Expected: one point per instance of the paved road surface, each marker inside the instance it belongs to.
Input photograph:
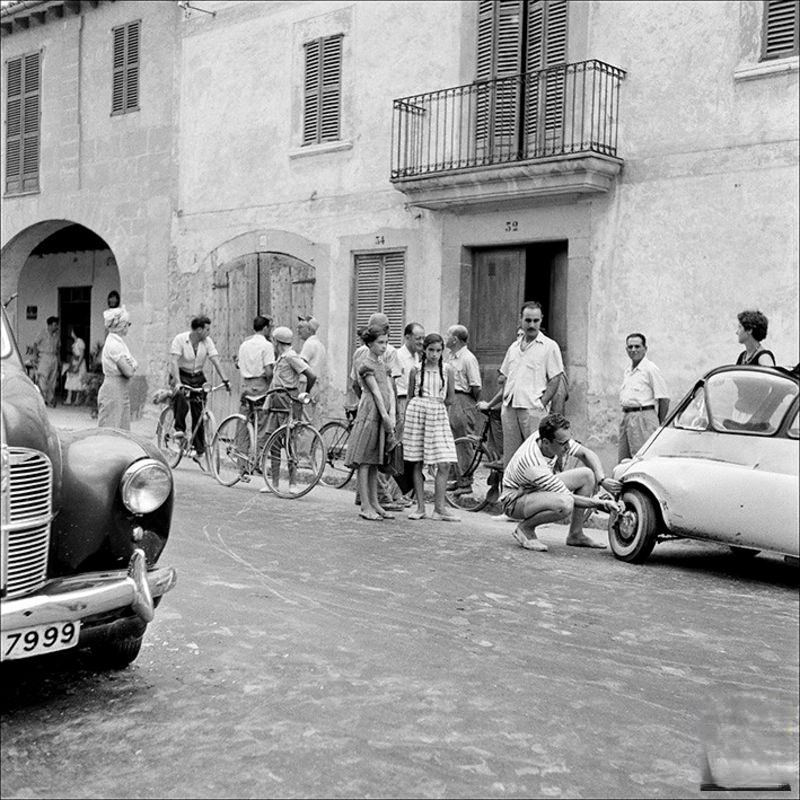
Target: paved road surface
(308, 653)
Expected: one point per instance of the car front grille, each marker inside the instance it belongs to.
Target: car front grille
(28, 488)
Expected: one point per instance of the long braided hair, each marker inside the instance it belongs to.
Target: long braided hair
(430, 339)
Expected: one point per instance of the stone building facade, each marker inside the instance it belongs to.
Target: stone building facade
(434, 185)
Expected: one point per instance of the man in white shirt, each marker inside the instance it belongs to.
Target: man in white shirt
(536, 495)
(643, 396)
(529, 377)
(188, 354)
(467, 377)
(256, 360)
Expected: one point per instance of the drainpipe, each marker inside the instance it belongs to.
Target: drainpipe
(80, 120)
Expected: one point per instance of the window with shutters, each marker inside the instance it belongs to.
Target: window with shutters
(23, 123)
(520, 104)
(380, 287)
(780, 32)
(125, 84)
(322, 98)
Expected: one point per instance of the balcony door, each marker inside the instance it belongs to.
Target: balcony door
(519, 109)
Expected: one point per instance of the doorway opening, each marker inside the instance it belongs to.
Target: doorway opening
(502, 279)
(74, 312)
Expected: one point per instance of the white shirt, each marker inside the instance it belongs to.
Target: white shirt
(466, 370)
(313, 351)
(528, 367)
(256, 353)
(188, 360)
(114, 351)
(407, 361)
(642, 385)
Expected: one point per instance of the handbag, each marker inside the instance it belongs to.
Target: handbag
(392, 456)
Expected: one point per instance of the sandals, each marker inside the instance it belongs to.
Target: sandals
(445, 517)
(417, 515)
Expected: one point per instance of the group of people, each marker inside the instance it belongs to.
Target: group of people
(420, 398)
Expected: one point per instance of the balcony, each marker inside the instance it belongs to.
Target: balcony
(539, 134)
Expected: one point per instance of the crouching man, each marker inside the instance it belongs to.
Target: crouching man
(534, 494)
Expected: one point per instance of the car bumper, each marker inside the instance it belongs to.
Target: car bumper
(92, 594)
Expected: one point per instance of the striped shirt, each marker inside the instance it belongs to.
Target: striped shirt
(531, 471)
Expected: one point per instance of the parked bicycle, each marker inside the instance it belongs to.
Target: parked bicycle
(291, 460)
(479, 454)
(176, 444)
(336, 435)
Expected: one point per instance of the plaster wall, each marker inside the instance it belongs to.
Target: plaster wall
(116, 175)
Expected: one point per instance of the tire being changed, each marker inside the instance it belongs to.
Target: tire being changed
(632, 535)
(232, 447)
(169, 446)
(293, 460)
(335, 436)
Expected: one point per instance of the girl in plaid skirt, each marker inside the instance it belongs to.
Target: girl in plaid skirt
(427, 438)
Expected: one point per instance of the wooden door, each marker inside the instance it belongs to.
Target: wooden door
(498, 284)
(286, 289)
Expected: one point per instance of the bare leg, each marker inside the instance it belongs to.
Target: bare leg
(539, 508)
(366, 473)
(581, 482)
(419, 491)
(440, 511)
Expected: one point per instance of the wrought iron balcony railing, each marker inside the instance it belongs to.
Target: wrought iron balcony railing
(568, 109)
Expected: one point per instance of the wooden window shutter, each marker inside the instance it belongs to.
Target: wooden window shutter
(23, 124)
(780, 33)
(380, 280)
(125, 81)
(14, 126)
(546, 47)
(499, 55)
(322, 90)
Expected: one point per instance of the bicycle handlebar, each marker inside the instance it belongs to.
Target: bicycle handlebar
(206, 388)
(302, 397)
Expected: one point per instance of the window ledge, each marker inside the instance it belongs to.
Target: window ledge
(315, 149)
(26, 193)
(749, 72)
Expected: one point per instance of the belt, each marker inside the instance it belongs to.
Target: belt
(402, 397)
(189, 372)
(636, 408)
(458, 391)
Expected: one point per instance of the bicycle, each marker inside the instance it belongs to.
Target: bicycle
(479, 450)
(173, 446)
(336, 434)
(294, 451)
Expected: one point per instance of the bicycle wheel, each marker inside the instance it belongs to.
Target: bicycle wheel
(335, 435)
(209, 429)
(472, 445)
(293, 460)
(170, 447)
(231, 449)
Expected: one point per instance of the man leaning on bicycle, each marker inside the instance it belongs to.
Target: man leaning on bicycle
(188, 354)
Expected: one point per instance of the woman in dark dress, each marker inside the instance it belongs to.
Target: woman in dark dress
(374, 424)
(751, 333)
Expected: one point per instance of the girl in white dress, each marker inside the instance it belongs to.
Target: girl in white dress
(427, 438)
(75, 369)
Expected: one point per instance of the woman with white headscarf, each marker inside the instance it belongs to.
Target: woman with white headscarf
(114, 399)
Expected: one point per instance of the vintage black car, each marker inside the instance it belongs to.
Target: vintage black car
(85, 517)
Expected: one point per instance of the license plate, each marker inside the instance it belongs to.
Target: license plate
(39, 639)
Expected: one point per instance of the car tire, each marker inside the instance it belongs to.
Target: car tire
(743, 552)
(632, 535)
(117, 653)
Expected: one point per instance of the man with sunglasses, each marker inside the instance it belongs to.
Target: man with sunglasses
(535, 494)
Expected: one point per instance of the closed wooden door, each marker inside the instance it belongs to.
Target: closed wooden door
(498, 285)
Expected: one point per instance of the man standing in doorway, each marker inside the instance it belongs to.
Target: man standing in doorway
(643, 396)
(467, 375)
(188, 354)
(256, 360)
(46, 358)
(313, 351)
(529, 377)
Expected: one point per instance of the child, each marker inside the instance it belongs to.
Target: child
(373, 431)
(427, 437)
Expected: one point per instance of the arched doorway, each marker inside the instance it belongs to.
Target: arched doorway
(58, 268)
(277, 285)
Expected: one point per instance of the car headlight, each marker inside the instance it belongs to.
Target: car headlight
(145, 486)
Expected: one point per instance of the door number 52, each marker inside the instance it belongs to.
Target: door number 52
(511, 225)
